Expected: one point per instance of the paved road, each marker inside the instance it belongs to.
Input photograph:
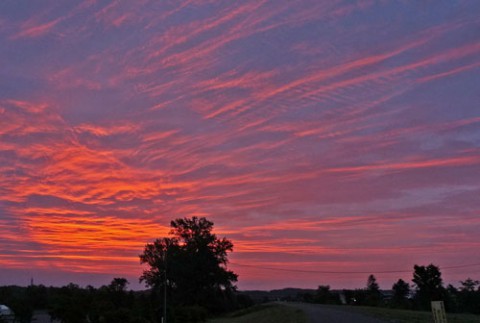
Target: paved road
(332, 314)
(42, 317)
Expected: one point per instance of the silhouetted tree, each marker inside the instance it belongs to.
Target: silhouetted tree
(323, 295)
(69, 304)
(374, 296)
(372, 285)
(451, 299)
(429, 285)
(118, 285)
(468, 285)
(401, 290)
(117, 292)
(469, 296)
(194, 261)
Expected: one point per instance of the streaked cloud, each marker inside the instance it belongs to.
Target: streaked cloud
(326, 135)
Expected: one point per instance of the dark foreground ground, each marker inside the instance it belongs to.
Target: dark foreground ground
(317, 313)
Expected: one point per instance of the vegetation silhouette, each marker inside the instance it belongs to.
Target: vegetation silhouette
(401, 293)
(374, 296)
(324, 295)
(429, 285)
(191, 265)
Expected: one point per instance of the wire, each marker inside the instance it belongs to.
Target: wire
(348, 272)
(319, 271)
(461, 266)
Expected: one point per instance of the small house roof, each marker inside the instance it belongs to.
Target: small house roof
(5, 310)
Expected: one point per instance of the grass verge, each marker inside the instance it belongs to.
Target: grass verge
(406, 316)
(266, 313)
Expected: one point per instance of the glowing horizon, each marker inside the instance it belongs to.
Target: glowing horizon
(328, 136)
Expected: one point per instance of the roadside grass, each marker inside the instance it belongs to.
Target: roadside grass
(266, 313)
(407, 316)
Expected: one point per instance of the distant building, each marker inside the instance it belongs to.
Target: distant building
(6, 314)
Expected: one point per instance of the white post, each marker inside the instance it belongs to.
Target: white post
(438, 311)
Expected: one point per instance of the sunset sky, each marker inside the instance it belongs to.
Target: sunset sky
(328, 139)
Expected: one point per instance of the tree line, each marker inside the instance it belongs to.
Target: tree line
(427, 286)
(71, 303)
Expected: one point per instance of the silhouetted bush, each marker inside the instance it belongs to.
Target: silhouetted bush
(323, 295)
(190, 314)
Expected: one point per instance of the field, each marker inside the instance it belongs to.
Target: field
(273, 313)
(406, 316)
(268, 313)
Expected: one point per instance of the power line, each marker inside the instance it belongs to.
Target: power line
(461, 266)
(319, 271)
(347, 272)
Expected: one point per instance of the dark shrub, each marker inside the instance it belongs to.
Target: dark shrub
(190, 314)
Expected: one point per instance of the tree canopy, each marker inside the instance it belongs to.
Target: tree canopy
(401, 291)
(374, 296)
(429, 284)
(194, 261)
(372, 285)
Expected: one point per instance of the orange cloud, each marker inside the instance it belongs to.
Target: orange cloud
(73, 240)
(92, 233)
(106, 130)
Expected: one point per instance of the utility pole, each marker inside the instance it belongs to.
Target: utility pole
(165, 289)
